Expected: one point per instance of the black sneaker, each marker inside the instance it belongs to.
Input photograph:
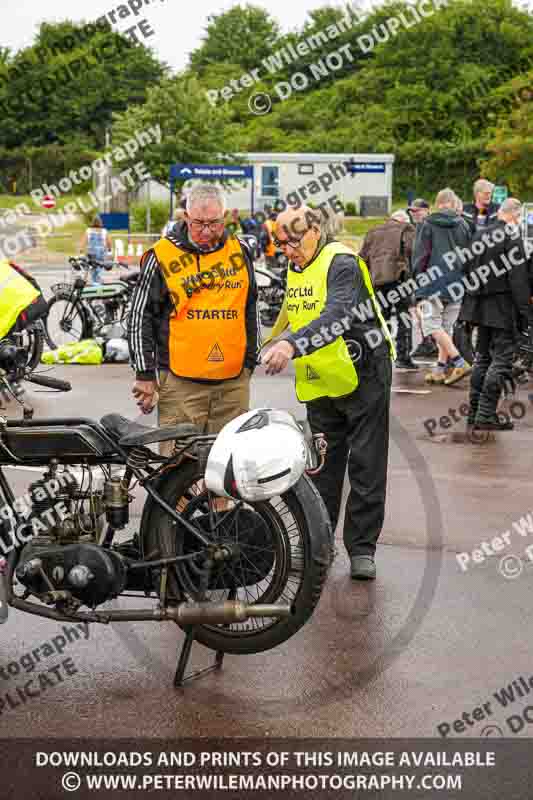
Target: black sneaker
(498, 422)
(406, 363)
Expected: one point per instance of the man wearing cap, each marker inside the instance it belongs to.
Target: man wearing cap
(343, 373)
(418, 210)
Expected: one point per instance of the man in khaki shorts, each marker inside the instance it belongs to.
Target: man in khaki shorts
(442, 233)
(193, 329)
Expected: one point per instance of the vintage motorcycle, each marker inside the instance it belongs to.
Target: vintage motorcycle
(81, 310)
(238, 577)
(271, 291)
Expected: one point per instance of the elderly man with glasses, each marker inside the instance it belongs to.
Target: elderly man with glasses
(333, 328)
(193, 326)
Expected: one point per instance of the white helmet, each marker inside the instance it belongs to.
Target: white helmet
(257, 455)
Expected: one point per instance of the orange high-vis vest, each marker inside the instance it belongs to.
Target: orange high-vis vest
(207, 329)
(270, 249)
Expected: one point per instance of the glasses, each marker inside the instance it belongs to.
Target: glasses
(208, 224)
(291, 242)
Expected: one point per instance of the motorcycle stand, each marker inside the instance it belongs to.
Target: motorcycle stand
(184, 657)
(186, 649)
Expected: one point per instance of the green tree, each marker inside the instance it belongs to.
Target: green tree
(511, 146)
(67, 85)
(191, 130)
(243, 35)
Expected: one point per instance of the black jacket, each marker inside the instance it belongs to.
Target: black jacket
(501, 300)
(347, 299)
(472, 216)
(441, 233)
(148, 328)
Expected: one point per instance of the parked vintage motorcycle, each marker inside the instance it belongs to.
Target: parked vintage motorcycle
(271, 291)
(79, 310)
(238, 575)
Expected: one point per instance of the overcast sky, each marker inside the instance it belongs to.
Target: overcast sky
(178, 24)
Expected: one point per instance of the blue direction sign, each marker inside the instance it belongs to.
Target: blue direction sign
(365, 166)
(185, 172)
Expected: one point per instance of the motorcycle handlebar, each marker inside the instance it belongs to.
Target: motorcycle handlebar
(50, 383)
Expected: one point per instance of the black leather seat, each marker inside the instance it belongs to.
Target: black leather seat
(132, 434)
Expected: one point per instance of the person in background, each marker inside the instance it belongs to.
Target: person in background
(442, 232)
(96, 243)
(482, 211)
(417, 211)
(270, 250)
(387, 250)
(177, 217)
(500, 307)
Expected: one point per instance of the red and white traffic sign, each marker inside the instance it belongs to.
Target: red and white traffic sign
(48, 201)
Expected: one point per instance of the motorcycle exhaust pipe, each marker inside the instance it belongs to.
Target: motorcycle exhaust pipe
(185, 613)
(224, 613)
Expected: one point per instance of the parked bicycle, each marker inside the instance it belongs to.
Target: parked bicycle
(80, 309)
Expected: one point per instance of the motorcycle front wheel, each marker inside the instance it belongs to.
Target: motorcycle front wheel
(282, 551)
(66, 321)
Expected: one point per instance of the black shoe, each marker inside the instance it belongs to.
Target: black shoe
(406, 363)
(495, 423)
(363, 568)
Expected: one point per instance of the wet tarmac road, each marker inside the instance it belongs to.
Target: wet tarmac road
(398, 657)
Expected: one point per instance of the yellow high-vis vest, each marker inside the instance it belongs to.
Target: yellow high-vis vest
(16, 294)
(207, 330)
(328, 371)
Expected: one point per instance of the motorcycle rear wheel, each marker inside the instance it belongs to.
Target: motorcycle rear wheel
(295, 549)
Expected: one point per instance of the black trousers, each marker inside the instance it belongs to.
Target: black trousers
(404, 340)
(493, 366)
(357, 432)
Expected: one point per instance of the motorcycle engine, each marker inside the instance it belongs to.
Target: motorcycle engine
(62, 564)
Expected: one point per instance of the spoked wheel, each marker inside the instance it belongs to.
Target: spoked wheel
(279, 552)
(66, 321)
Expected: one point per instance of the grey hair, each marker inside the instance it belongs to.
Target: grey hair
(400, 216)
(202, 193)
(482, 185)
(511, 206)
(446, 197)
